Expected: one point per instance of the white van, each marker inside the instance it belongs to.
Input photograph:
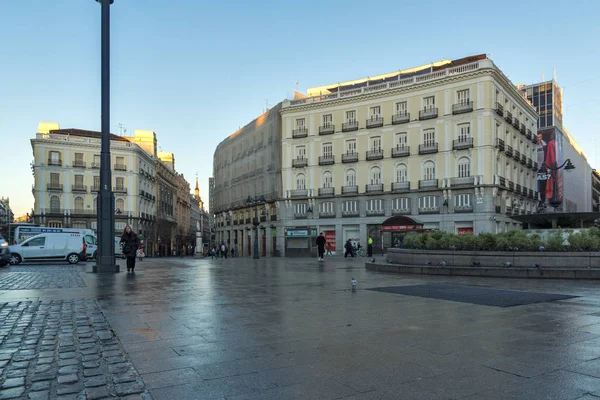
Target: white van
(23, 233)
(69, 247)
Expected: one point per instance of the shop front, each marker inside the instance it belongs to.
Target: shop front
(299, 241)
(394, 229)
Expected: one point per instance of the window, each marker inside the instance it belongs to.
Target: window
(463, 201)
(300, 152)
(464, 132)
(54, 157)
(401, 140)
(327, 180)
(375, 112)
(327, 208)
(300, 182)
(463, 97)
(82, 225)
(97, 160)
(401, 173)
(351, 177)
(54, 204)
(350, 206)
(375, 143)
(119, 206)
(402, 108)
(464, 167)
(375, 205)
(95, 205)
(78, 204)
(37, 242)
(351, 146)
(96, 182)
(327, 120)
(375, 176)
(120, 183)
(301, 124)
(429, 103)
(327, 150)
(401, 203)
(79, 158)
(120, 161)
(428, 202)
(54, 179)
(351, 116)
(497, 130)
(429, 137)
(78, 181)
(429, 171)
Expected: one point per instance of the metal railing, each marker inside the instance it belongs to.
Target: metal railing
(462, 143)
(299, 193)
(299, 162)
(327, 160)
(350, 126)
(399, 186)
(299, 133)
(326, 191)
(400, 118)
(499, 109)
(119, 189)
(428, 183)
(428, 114)
(54, 186)
(120, 167)
(500, 144)
(326, 129)
(375, 154)
(350, 189)
(463, 107)
(401, 151)
(462, 181)
(349, 157)
(79, 188)
(79, 164)
(508, 151)
(428, 148)
(374, 122)
(374, 188)
(57, 162)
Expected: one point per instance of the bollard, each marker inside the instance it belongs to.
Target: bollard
(353, 283)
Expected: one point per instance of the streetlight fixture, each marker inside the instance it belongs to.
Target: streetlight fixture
(255, 201)
(556, 201)
(105, 261)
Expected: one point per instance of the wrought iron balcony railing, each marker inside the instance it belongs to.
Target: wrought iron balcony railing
(326, 129)
(463, 107)
(326, 160)
(349, 157)
(326, 191)
(428, 113)
(350, 189)
(428, 183)
(400, 186)
(428, 148)
(350, 126)
(299, 162)
(375, 154)
(374, 188)
(400, 118)
(300, 133)
(401, 151)
(374, 122)
(462, 143)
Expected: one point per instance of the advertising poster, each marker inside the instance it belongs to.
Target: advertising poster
(549, 153)
(330, 239)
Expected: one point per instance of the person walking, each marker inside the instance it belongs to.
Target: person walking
(223, 251)
(370, 246)
(349, 249)
(321, 246)
(329, 253)
(130, 243)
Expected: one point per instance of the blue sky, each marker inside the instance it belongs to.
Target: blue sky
(195, 71)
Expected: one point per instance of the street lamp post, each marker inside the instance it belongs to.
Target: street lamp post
(556, 201)
(105, 261)
(255, 201)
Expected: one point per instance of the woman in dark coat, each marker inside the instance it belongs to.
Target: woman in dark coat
(130, 243)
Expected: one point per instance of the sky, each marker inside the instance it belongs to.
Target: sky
(195, 71)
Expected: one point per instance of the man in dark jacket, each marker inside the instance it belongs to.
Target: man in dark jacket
(349, 249)
(130, 243)
(321, 246)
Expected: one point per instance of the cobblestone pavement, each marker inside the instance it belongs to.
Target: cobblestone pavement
(40, 277)
(62, 350)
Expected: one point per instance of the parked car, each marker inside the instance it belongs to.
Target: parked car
(4, 253)
(69, 247)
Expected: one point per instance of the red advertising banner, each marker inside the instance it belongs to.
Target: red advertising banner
(400, 227)
(464, 231)
(330, 239)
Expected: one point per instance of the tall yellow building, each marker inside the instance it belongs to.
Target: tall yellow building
(448, 146)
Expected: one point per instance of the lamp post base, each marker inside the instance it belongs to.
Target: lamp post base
(106, 268)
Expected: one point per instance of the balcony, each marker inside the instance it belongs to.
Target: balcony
(428, 114)
(429, 210)
(235, 222)
(350, 126)
(462, 108)
(535, 166)
(328, 129)
(376, 154)
(502, 181)
(300, 133)
(120, 189)
(400, 118)
(517, 155)
(326, 160)
(428, 148)
(374, 122)
(373, 213)
(79, 164)
(462, 181)
(500, 144)
(529, 163)
(524, 191)
(462, 143)
(401, 151)
(523, 130)
(509, 211)
(508, 117)
(95, 188)
(400, 211)
(400, 186)
(273, 217)
(530, 194)
(523, 159)
(120, 167)
(350, 189)
(54, 211)
(248, 220)
(534, 139)
(326, 192)
(350, 213)
(467, 208)
(518, 188)
(326, 214)
(54, 161)
(516, 123)
(509, 151)
(349, 157)
(428, 184)
(499, 109)
(374, 188)
(511, 186)
(300, 215)
(95, 165)
(79, 188)
(299, 162)
(298, 193)
(55, 187)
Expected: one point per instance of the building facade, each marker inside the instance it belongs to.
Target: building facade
(595, 191)
(448, 146)
(166, 195)
(66, 170)
(248, 165)
(6, 216)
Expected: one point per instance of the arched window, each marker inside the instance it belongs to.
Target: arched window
(429, 171)
(351, 177)
(79, 204)
(55, 204)
(327, 179)
(464, 167)
(119, 206)
(300, 182)
(375, 176)
(401, 173)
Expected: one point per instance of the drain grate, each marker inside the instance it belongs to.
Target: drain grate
(473, 295)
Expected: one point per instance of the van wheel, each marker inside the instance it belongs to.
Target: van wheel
(15, 259)
(73, 258)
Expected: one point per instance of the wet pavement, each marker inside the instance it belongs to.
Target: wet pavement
(288, 329)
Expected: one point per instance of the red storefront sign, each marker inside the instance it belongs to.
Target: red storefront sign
(330, 239)
(387, 228)
(464, 231)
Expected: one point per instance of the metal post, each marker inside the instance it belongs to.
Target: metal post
(105, 261)
(256, 223)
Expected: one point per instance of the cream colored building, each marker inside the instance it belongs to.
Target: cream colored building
(446, 146)
(66, 170)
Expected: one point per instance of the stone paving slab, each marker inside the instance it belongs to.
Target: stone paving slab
(41, 277)
(63, 350)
